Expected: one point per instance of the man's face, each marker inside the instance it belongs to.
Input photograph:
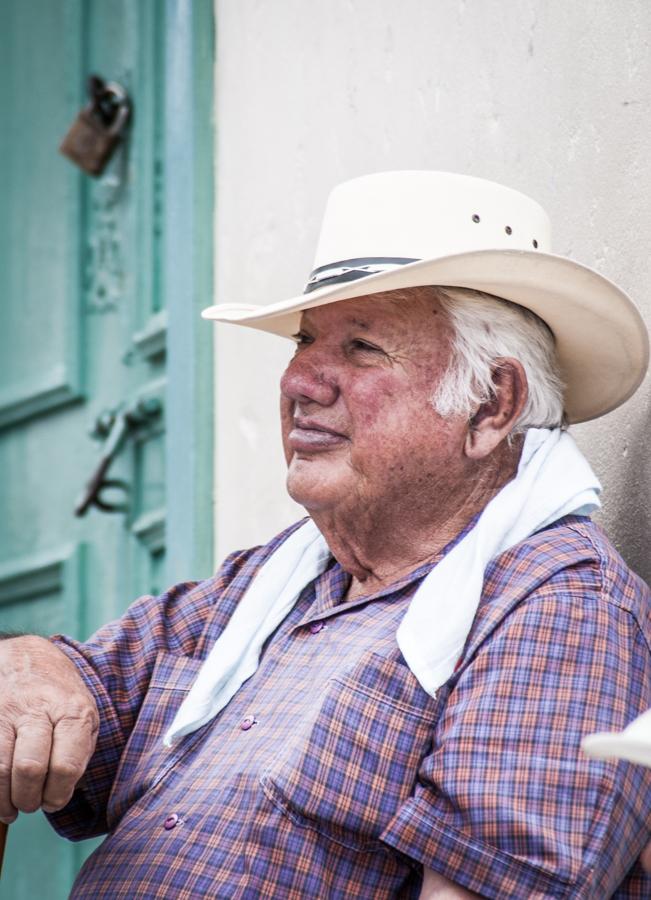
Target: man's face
(359, 431)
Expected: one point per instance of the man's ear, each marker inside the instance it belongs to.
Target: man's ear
(496, 418)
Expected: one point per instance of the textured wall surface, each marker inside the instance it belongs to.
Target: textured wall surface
(548, 97)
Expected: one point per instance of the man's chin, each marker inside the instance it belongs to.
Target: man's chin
(310, 487)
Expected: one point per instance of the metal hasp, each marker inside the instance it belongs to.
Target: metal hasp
(99, 127)
(116, 427)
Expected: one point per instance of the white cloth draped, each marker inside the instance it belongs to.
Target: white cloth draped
(552, 481)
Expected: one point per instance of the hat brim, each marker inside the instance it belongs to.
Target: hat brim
(601, 338)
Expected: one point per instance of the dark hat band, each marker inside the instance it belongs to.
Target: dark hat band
(352, 270)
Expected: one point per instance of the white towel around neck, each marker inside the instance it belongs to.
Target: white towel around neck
(553, 480)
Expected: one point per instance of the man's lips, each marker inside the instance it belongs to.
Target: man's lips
(308, 435)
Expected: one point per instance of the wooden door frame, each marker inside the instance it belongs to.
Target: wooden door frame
(188, 285)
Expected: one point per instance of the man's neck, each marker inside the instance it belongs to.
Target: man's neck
(383, 544)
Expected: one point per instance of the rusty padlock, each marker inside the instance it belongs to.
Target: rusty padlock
(99, 127)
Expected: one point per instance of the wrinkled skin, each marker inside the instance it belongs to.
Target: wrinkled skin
(385, 477)
(48, 727)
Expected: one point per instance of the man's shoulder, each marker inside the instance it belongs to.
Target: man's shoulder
(210, 603)
(571, 557)
(566, 572)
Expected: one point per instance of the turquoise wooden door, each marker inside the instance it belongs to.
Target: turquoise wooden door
(101, 281)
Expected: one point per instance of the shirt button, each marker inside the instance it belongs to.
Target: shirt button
(315, 627)
(170, 822)
(247, 722)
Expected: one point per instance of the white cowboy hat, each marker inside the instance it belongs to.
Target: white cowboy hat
(396, 230)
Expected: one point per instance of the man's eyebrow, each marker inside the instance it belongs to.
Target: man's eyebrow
(355, 322)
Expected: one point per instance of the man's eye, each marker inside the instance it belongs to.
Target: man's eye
(301, 339)
(358, 344)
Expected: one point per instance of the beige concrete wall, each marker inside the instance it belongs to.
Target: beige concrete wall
(552, 98)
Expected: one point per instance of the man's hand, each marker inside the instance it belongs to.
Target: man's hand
(438, 887)
(48, 727)
(645, 858)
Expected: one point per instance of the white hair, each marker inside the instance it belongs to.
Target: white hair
(487, 329)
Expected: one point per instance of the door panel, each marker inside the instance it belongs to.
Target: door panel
(42, 587)
(83, 332)
(39, 337)
(82, 324)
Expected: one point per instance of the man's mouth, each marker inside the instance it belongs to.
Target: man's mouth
(308, 435)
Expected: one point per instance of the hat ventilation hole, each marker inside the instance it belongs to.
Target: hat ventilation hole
(535, 244)
(476, 218)
(508, 229)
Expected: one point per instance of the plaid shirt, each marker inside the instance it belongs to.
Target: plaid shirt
(332, 774)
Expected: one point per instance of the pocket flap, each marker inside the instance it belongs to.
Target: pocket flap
(174, 673)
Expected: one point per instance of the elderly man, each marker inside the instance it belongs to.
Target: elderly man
(388, 699)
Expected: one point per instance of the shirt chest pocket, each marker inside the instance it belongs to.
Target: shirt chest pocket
(356, 759)
(145, 761)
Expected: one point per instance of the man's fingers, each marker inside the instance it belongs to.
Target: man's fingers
(44, 764)
(30, 763)
(42, 692)
(73, 742)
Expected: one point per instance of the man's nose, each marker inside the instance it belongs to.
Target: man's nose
(309, 378)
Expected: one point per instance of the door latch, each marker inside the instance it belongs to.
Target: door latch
(116, 427)
(99, 127)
